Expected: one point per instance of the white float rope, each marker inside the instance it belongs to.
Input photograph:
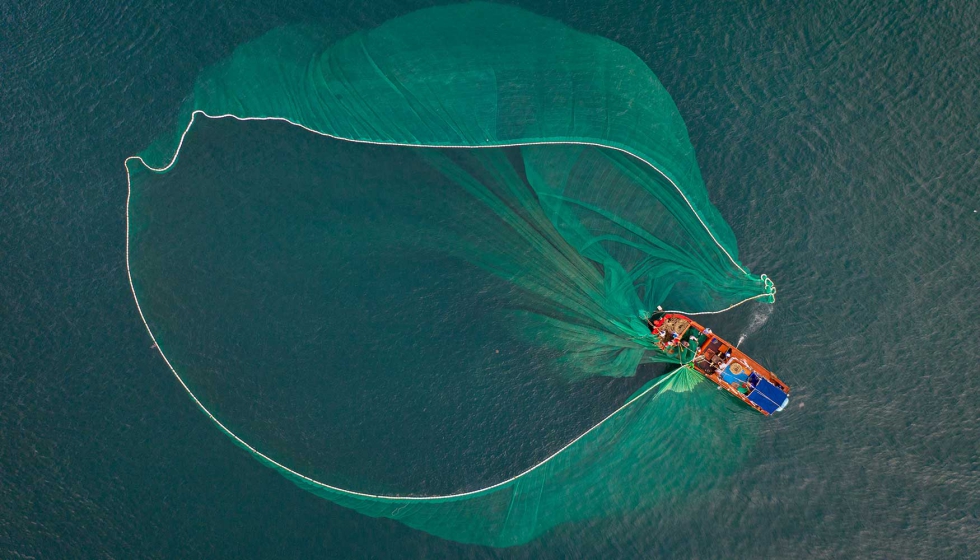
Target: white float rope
(443, 146)
(770, 292)
(243, 443)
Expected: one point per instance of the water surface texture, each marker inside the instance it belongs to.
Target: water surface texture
(839, 141)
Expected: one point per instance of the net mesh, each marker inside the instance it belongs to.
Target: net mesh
(584, 203)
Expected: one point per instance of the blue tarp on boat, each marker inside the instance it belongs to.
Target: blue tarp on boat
(728, 377)
(767, 396)
(763, 402)
(773, 393)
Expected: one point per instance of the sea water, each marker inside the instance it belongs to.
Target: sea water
(839, 141)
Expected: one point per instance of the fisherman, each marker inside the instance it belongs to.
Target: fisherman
(726, 362)
(706, 332)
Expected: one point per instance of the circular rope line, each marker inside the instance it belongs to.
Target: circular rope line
(129, 190)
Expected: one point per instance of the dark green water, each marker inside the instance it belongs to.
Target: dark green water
(840, 143)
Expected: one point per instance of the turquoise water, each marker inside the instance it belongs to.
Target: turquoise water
(839, 142)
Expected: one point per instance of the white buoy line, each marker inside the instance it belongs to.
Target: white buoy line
(767, 282)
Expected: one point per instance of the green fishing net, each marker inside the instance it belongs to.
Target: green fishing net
(408, 279)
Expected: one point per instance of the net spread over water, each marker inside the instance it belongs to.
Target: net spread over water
(302, 304)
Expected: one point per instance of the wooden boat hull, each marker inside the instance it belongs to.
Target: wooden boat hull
(722, 363)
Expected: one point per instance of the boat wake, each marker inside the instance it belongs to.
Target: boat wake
(760, 315)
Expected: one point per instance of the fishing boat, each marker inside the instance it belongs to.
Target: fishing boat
(721, 362)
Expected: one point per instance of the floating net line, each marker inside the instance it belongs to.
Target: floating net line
(769, 286)
(369, 99)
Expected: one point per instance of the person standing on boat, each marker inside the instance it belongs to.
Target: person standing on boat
(727, 361)
(658, 332)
